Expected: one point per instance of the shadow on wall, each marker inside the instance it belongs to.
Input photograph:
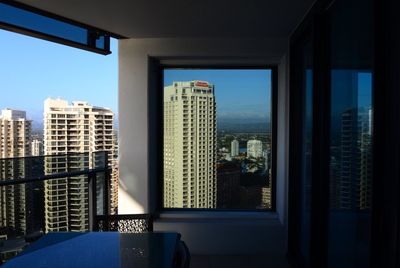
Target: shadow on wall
(126, 203)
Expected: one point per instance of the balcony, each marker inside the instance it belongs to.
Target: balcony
(58, 199)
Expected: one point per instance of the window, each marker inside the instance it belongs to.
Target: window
(230, 135)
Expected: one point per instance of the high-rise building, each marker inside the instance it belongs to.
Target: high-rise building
(115, 176)
(190, 151)
(15, 131)
(37, 147)
(228, 184)
(234, 148)
(69, 129)
(15, 134)
(254, 148)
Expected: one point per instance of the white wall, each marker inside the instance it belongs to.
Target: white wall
(229, 236)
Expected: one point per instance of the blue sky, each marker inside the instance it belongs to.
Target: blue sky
(364, 89)
(239, 94)
(32, 70)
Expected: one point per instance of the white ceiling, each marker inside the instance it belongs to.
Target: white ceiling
(183, 18)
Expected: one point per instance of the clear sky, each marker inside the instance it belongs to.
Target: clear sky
(239, 94)
(33, 69)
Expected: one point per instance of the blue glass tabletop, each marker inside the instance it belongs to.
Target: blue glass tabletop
(99, 249)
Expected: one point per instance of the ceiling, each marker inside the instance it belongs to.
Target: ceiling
(183, 18)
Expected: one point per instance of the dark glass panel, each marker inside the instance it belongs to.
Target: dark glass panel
(350, 134)
(305, 206)
(13, 16)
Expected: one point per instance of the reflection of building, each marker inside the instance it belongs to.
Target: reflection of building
(75, 128)
(37, 147)
(352, 171)
(234, 148)
(15, 131)
(190, 145)
(254, 148)
(365, 128)
(228, 183)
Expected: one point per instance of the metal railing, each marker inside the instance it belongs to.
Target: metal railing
(43, 194)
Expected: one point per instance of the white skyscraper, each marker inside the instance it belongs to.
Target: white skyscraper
(37, 147)
(254, 148)
(234, 148)
(15, 131)
(76, 128)
(190, 145)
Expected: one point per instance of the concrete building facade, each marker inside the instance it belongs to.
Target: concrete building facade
(254, 148)
(15, 131)
(78, 130)
(234, 148)
(190, 145)
(37, 147)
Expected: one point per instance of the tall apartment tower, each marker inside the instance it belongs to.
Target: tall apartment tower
(15, 132)
(37, 147)
(234, 148)
(254, 148)
(69, 129)
(190, 145)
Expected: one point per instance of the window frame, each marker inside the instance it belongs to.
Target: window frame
(156, 145)
(92, 32)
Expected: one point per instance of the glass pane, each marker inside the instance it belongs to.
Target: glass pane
(31, 21)
(351, 133)
(217, 139)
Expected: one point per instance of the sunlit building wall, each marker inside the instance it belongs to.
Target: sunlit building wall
(68, 129)
(190, 145)
(234, 148)
(37, 147)
(15, 131)
(254, 148)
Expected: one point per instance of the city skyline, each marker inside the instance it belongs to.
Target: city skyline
(199, 169)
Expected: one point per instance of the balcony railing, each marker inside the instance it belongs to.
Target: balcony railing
(37, 196)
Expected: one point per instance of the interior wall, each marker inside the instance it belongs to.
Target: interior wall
(242, 235)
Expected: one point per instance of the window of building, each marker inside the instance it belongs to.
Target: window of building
(231, 135)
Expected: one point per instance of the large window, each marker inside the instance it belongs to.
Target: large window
(217, 139)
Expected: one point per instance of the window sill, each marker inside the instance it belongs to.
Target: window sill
(166, 216)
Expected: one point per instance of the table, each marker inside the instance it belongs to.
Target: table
(99, 249)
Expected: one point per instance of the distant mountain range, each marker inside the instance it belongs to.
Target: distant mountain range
(243, 124)
(239, 124)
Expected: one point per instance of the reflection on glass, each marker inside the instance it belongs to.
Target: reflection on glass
(217, 139)
(351, 133)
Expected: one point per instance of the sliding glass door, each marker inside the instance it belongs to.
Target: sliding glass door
(331, 128)
(351, 131)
